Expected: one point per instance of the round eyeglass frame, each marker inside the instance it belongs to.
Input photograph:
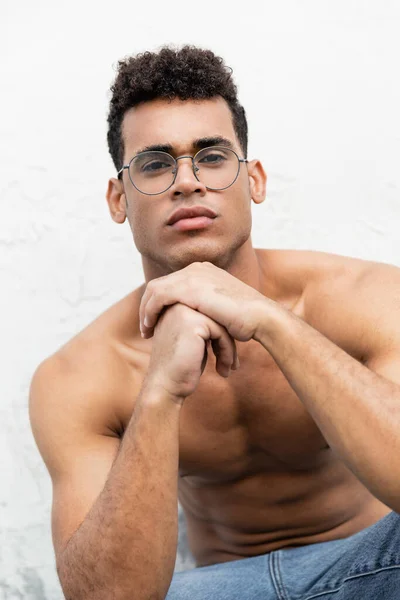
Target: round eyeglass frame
(240, 160)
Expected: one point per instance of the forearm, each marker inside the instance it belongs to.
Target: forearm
(126, 546)
(357, 410)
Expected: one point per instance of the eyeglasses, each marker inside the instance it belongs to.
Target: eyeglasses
(153, 172)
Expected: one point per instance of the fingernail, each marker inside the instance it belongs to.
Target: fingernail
(146, 322)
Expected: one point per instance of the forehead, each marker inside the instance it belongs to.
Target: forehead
(176, 122)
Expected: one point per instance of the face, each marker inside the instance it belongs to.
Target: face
(184, 128)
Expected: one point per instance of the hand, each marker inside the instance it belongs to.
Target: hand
(209, 290)
(179, 352)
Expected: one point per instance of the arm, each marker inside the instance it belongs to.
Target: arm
(115, 505)
(355, 405)
(114, 515)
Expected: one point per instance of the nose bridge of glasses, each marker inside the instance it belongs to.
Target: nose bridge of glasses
(191, 164)
(185, 156)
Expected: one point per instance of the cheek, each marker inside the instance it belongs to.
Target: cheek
(147, 221)
(141, 222)
(241, 201)
(140, 214)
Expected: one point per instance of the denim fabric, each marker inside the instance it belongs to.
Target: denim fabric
(364, 566)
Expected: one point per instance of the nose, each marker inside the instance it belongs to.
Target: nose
(185, 182)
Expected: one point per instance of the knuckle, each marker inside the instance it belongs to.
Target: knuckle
(157, 290)
(150, 286)
(195, 266)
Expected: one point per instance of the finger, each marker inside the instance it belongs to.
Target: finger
(143, 302)
(152, 288)
(224, 348)
(205, 358)
(150, 310)
(160, 295)
(236, 363)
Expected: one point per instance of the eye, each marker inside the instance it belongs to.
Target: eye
(155, 165)
(213, 158)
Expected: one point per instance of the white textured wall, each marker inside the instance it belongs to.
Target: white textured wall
(320, 82)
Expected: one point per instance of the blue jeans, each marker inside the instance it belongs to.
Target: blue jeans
(364, 566)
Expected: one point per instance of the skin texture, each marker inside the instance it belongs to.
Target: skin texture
(163, 251)
(292, 447)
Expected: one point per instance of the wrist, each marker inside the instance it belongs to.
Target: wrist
(155, 392)
(270, 321)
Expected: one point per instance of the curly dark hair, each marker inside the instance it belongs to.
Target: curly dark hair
(189, 73)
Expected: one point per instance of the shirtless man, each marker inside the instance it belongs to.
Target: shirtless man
(286, 465)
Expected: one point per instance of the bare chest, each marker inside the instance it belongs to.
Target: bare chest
(248, 423)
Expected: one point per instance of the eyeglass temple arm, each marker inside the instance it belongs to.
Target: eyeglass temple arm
(120, 171)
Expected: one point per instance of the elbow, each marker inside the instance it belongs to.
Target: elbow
(67, 582)
(75, 588)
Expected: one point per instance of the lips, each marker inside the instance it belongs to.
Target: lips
(190, 213)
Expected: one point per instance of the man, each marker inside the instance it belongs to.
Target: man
(261, 387)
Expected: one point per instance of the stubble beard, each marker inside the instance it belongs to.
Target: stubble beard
(215, 253)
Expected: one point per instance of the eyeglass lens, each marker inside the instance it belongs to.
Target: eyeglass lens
(154, 172)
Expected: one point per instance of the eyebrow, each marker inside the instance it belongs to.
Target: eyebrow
(197, 144)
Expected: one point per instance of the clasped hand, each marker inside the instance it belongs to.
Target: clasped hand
(210, 290)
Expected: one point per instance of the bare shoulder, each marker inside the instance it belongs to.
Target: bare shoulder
(95, 369)
(354, 302)
(308, 264)
(78, 400)
(298, 270)
(322, 274)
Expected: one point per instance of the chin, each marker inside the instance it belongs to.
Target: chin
(220, 257)
(220, 252)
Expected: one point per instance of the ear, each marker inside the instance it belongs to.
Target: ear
(257, 181)
(116, 200)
